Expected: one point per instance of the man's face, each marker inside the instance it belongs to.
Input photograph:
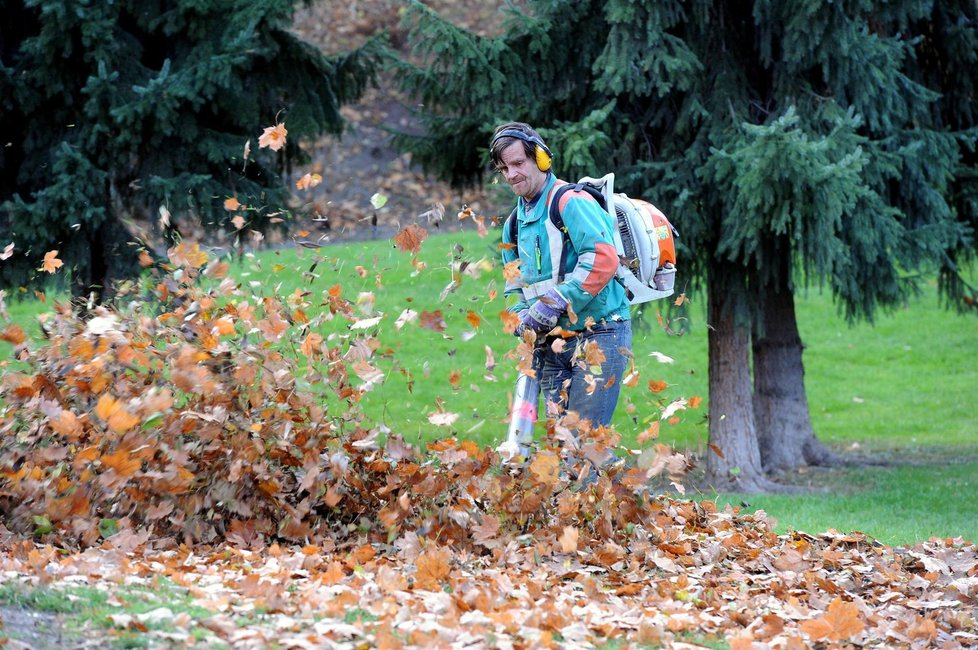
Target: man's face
(521, 172)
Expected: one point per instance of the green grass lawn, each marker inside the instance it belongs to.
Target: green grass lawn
(904, 387)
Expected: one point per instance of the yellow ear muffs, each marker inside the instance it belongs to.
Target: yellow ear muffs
(543, 159)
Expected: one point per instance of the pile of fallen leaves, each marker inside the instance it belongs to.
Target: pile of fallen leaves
(188, 434)
(198, 413)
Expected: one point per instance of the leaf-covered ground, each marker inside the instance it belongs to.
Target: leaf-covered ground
(692, 576)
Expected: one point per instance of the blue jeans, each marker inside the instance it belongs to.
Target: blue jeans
(562, 374)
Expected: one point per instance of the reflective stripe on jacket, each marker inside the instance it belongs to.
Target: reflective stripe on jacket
(590, 260)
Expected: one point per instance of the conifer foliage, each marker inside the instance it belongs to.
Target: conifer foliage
(120, 110)
(792, 143)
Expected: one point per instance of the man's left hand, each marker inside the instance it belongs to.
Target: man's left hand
(543, 314)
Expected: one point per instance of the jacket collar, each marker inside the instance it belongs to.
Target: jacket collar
(539, 205)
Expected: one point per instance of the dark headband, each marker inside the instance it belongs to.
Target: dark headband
(519, 135)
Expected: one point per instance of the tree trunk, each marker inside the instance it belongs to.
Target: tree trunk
(111, 259)
(734, 459)
(784, 426)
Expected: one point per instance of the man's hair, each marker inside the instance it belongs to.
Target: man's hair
(499, 143)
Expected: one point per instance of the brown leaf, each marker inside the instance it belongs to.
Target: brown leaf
(545, 467)
(410, 238)
(433, 566)
(433, 320)
(839, 623)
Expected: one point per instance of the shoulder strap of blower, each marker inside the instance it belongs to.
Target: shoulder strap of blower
(557, 220)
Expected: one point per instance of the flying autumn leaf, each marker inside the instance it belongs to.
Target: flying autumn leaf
(273, 137)
(433, 320)
(378, 200)
(308, 181)
(511, 271)
(410, 238)
(115, 415)
(51, 262)
(310, 346)
(657, 385)
(442, 419)
(510, 321)
(7, 252)
(231, 204)
(14, 334)
(545, 467)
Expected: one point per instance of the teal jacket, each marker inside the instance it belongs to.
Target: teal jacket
(590, 259)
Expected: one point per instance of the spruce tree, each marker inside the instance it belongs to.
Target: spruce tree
(794, 143)
(121, 111)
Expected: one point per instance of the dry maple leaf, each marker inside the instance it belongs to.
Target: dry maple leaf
(51, 262)
(840, 622)
(410, 238)
(310, 346)
(433, 566)
(511, 271)
(510, 321)
(7, 252)
(568, 539)
(545, 467)
(122, 462)
(116, 417)
(273, 137)
(231, 204)
(14, 334)
(657, 385)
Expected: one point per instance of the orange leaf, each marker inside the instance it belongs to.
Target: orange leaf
(511, 271)
(433, 565)
(410, 238)
(273, 137)
(568, 540)
(657, 385)
(15, 334)
(51, 262)
(473, 318)
(116, 417)
(122, 462)
(67, 425)
(695, 401)
(308, 181)
(510, 321)
(649, 434)
(311, 345)
(545, 467)
(231, 204)
(840, 622)
(455, 378)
